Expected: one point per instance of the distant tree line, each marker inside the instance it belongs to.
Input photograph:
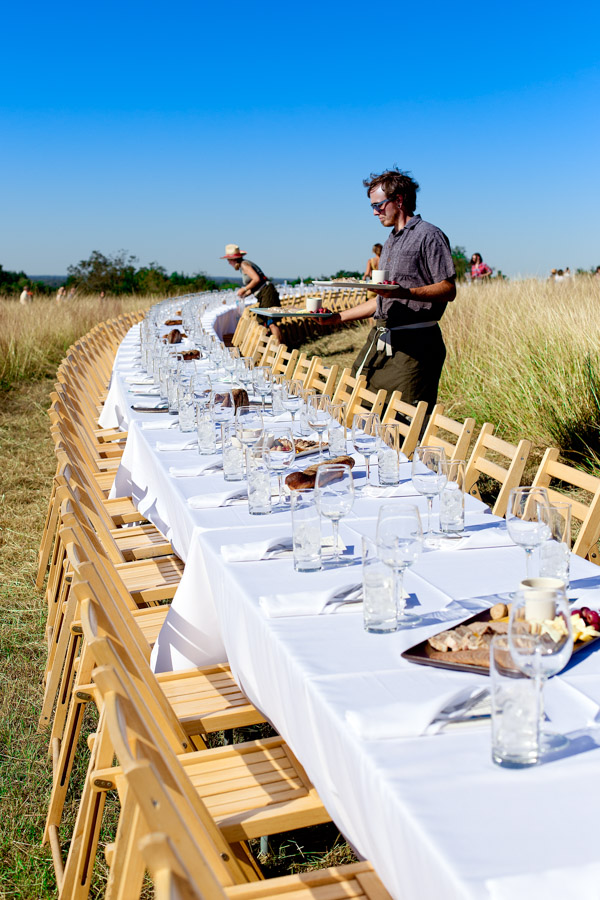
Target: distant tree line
(14, 282)
(120, 274)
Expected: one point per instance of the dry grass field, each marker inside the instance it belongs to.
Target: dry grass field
(525, 356)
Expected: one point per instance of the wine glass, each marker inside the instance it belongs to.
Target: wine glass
(540, 639)
(400, 543)
(429, 476)
(527, 520)
(291, 398)
(334, 497)
(336, 430)
(261, 377)
(317, 416)
(364, 435)
(244, 371)
(248, 425)
(279, 451)
(223, 407)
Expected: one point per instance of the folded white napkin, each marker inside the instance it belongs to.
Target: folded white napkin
(222, 498)
(208, 468)
(144, 390)
(161, 424)
(183, 444)
(424, 708)
(255, 550)
(139, 379)
(404, 489)
(307, 603)
(479, 539)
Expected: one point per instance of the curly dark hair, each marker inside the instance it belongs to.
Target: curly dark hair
(395, 183)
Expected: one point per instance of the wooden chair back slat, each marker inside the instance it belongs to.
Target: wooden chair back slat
(462, 431)
(409, 418)
(509, 477)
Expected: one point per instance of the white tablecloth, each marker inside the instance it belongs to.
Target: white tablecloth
(433, 813)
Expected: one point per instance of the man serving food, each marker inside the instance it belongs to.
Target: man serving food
(405, 349)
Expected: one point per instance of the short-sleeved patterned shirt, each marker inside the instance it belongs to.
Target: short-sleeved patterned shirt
(417, 255)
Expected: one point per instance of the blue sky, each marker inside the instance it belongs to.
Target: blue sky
(170, 130)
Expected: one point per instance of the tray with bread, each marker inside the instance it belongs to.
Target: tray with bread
(465, 647)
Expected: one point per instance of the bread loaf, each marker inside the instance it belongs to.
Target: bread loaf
(173, 322)
(304, 481)
(174, 337)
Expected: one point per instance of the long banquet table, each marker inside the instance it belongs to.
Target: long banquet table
(433, 813)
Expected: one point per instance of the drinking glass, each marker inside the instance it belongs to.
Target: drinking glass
(515, 700)
(555, 553)
(306, 532)
(205, 429)
(305, 394)
(259, 481)
(279, 451)
(429, 476)
(379, 600)
(400, 543)
(452, 500)
(222, 405)
(540, 638)
(233, 453)
(336, 430)
(389, 441)
(334, 497)
(244, 372)
(187, 408)
(249, 425)
(291, 398)
(261, 377)
(364, 435)
(526, 523)
(317, 416)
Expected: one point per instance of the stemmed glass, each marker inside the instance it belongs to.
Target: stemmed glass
(248, 425)
(527, 520)
(540, 639)
(334, 497)
(261, 376)
(317, 416)
(429, 476)
(291, 398)
(399, 543)
(364, 435)
(279, 452)
(244, 371)
(223, 407)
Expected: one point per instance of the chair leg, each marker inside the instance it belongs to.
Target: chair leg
(127, 869)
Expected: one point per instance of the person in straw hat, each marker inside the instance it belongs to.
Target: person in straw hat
(254, 281)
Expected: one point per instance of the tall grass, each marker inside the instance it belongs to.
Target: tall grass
(34, 338)
(526, 357)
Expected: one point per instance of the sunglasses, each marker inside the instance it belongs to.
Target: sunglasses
(377, 207)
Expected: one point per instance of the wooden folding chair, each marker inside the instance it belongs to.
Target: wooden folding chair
(164, 801)
(197, 701)
(252, 789)
(364, 400)
(409, 418)
(253, 335)
(285, 362)
(440, 425)
(265, 344)
(508, 476)
(321, 378)
(346, 386)
(304, 367)
(575, 481)
(241, 329)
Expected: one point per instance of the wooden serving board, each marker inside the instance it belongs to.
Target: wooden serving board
(424, 655)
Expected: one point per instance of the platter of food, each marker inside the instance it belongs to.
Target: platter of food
(465, 647)
(367, 285)
(306, 447)
(280, 312)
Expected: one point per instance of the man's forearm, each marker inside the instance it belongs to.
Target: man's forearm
(441, 291)
(362, 311)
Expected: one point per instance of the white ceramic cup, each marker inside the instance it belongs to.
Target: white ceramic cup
(378, 276)
(313, 303)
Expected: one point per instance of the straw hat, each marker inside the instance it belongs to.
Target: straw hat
(232, 251)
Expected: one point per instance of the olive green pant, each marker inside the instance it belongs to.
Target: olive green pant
(267, 296)
(414, 367)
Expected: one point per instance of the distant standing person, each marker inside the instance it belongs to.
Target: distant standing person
(60, 294)
(480, 271)
(405, 349)
(254, 281)
(373, 262)
(26, 297)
